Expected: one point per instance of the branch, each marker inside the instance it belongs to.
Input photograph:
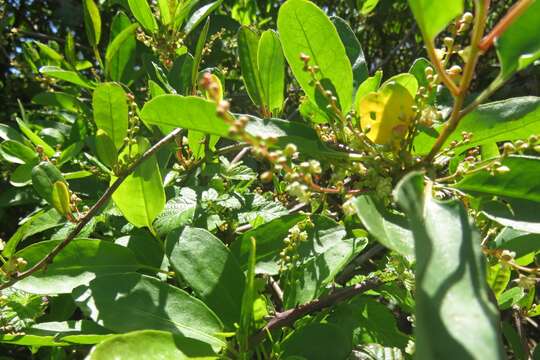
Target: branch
(514, 13)
(351, 270)
(42, 264)
(288, 317)
(468, 73)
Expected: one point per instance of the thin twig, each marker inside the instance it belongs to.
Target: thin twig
(277, 292)
(514, 13)
(288, 317)
(351, 270)
(522, 333)
(468, 73)
(43, 263)
(240, 155)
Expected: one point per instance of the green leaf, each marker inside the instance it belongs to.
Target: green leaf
(35, 139)
(323, 235)
(148, 250)
(305, 29)
(271, 69)
(317, 341)
(142, 12)
(119, 57)
(418, 69)
(199, 15)
(368, 6)
(44, 175)
(505, 120)
(92, 22)
(59, 99)
(520, 182)
(451, 290)
(188, 112)
(61, 199)
(66, 75)
(309, 279)
(78, 263)
(151, 345)
(433, 16)
(518, 214)
(17, 153)
(498, 278)
(178, 211)
(49, 52)
(141, 196)
(248, 300)
(511, 297)
(369, 322)
(197, 56)
(408, 81)
(369, 85)
(31, 225)
(248, 42)
(353, 49)
(520, 242)
(180, 74)
(518, 46)
(195, 113)
(65, 333)
(129, 302)
(380, 352)
(165, 11)
(389, 229)
(106, 151)
(207, 265)
(111, 111)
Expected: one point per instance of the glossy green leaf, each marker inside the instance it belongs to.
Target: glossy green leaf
(142, 12)
(520, 242)
(271, 69)
(518, 214)
(111, 111)
(129, 302)
(506, 120)
(498, 277)
(305, 29)
(317, 341)
(520, 182)
(66, 75)
(325, 234)
(141, 197)
(44, 175)
(418, 69)
(148, 250)
(248, 310)
(106, 151)
(78, 263)
(165, 10)
(389, 229)
(49, 52)
(510, 297)
(64, 333)
(197, 56)
(92, 22)
(308, 280)
(59, 99)
(180, 74)
(433, 16)
(368, 6)
(353, 49)
(451, 290)
(369, 85)
(188, 112)
(119, 57)
(17, 153)
(369, 322)
(408, 81)
(199, 15)
(33, 224)
(22, 175)
(248, 42)
(35, 139)
(194, 113)
(151, 345)
(518, 46)
(206, 264)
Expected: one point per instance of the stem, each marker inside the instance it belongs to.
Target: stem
(288, 317)
(514, 13)
(42, 264)
(494, 86)
(468, 73)
(448, 82)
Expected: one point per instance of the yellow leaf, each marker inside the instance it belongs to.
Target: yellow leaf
(386, 113)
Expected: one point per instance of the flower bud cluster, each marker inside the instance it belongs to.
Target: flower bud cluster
(289, 257)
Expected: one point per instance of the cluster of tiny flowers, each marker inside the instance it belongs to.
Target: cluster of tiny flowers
(288, 257)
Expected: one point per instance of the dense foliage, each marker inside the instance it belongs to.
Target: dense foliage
(269, 179)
